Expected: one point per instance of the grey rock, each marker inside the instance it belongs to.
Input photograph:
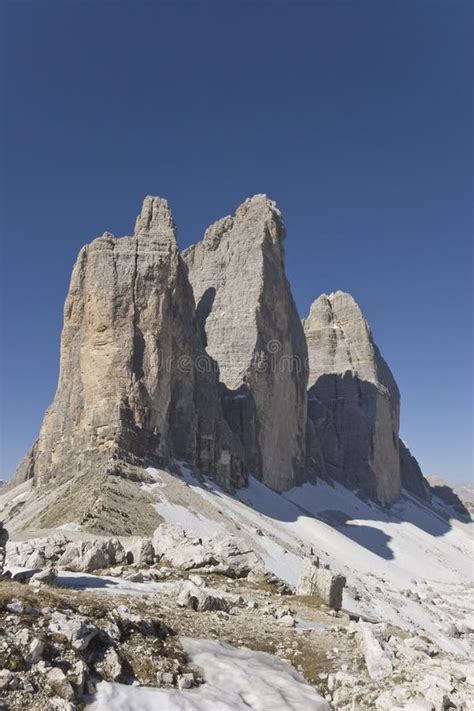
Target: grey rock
(250, 326)
(35, 651)
(59, 683)
(129, 389)
(225, 555)
(5, 678)
(110, 666)
(315, 580)
(44, 577)
(377, 659)
(199, 599)
(78, 630)
(411, 475)
(140, 552)
(90, 555)
(353, 401)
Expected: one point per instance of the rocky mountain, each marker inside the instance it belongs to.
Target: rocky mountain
(354, 405)
(128, 387)
(202, 358)
(193, 527)
(251, 327)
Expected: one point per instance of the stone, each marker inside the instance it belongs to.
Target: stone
(377, 660)
(90, 555)
(227, 554)
(5, 678)
(250, 326)
(199, 599)
(78, 630)
(140, 552)
(353, 404)
(135, 383)
(59, 683)
(44, 577)
(186, 680)
(35, 651)
(110, 666)
(171, 543)
(58, 704)
(36, 552)
(316, 580)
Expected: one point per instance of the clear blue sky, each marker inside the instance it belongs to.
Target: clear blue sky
(355, 117)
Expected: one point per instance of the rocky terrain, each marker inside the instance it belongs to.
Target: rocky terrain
(203, 358)
(218, 512)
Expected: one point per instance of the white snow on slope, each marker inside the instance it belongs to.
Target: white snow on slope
(104, 583)
(190, 521)
(407, 565)
(236, 680)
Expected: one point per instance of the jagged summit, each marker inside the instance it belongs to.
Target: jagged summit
(202, 358)
(129, 321)
(155, 220)
(341, 340)
(250, 325)
(354, 405)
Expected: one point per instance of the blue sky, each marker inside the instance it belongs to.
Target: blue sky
(355, 117)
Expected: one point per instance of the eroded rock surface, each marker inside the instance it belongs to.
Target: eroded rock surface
(353, 401)
(128, 386)
(354, 406)
(252, 329)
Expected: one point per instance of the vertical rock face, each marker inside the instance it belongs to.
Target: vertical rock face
(128, 383)
(353, 401)
(412, 476)
(251, 327)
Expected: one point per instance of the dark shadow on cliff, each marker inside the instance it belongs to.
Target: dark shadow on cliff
(203, 309)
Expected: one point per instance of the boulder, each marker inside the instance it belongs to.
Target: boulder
(200, 599)
(36, 552)
(377, 657)
(140, 552)
(90, 555)
(110, 666)
(316, 580)
(59, 683)
(44, 577)
(77, 629)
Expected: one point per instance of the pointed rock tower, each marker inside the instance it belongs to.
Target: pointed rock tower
(251, 327)
(129, 389)
(353, 401)
(354, 406)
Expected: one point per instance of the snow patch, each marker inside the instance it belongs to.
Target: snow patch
(235, 680)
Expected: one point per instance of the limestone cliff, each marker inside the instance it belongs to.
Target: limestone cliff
(252, 329)
(353, 401)
(129, 388)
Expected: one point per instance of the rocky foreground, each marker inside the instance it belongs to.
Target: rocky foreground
(97, 621)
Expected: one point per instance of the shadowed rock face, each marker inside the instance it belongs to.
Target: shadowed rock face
(412, 476)
(353, 401)
(128, 386)
(252, 329)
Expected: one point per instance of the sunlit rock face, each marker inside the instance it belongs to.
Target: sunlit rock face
(128, 386)
(251, 327)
